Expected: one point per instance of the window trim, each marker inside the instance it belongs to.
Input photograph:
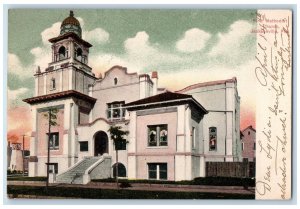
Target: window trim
(158, 170)
(54, 148)
(157, 135)
(53, 166)
(110, 110)
(216, 138)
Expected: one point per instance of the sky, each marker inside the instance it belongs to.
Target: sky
(184, 46)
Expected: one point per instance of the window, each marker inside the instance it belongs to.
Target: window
(158, 171)
(158, 135)
(53, 84)
(115, 81)
(53, 167)
(248, 132)
(193, 137)
(62, 53)
(212, 138)
(254, 146)
(243, 146)
(84, 146)
(54, 141)
(78, 54)
(115, 111)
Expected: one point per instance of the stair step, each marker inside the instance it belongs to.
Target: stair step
(75, 175)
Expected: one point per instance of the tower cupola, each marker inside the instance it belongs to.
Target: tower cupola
(70, 24)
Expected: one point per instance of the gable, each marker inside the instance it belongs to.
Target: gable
(117, 76)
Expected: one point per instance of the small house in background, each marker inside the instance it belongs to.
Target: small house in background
(15, 159)
(248, 144)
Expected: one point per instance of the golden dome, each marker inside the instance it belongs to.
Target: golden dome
(71, 20)
(70, 25)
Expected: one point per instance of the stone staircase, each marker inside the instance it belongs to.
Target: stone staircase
(75, 174)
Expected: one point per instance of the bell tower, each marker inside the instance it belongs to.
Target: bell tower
(64, 86)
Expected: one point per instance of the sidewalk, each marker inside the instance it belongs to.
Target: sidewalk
(148, 187)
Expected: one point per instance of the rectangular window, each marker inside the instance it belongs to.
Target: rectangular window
(212, 138)
(53, 167)
(158, 171)
(158, 135)
(152, 168)
(115, 111)
(254, 146)
(243, 146)
(54, 141)
(193, 137)
(84, 146)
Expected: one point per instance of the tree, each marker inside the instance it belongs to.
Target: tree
(51, 115)
(118, 137)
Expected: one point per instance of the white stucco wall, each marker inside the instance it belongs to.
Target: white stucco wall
(222, 102)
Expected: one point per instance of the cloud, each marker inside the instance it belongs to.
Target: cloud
(236, 43)
(194, 40)
(17, 68)
(139, 45)
(15, 96)
(97, 36)
(50, 32)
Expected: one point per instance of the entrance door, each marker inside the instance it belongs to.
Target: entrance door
(101, 143)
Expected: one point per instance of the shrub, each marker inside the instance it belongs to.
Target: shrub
(125, 185)
(213, 181)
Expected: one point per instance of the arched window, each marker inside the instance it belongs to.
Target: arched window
(121, 170)
(62, 53)
(212, 138)
(79, 54)
(115, 81)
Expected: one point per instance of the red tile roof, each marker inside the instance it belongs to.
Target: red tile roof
(166, 97)
(210, 83)
(58, 95)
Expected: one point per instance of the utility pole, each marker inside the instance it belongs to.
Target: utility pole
(23, 155)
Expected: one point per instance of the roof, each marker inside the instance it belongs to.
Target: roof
(70, 34)
(58, 95)
(120, 68)
(249, 127)
(241, 134)
(164, 98)
(210, 83)
(70, 20)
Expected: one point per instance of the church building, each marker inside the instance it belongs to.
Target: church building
(171, 134)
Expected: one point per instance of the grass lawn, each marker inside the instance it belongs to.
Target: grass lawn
(89, 193)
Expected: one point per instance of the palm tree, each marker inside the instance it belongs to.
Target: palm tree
(117, 135)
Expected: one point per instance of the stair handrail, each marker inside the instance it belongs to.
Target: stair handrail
(73, 166)
(102, 158)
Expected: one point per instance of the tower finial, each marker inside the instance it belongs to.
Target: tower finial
(71, 13)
